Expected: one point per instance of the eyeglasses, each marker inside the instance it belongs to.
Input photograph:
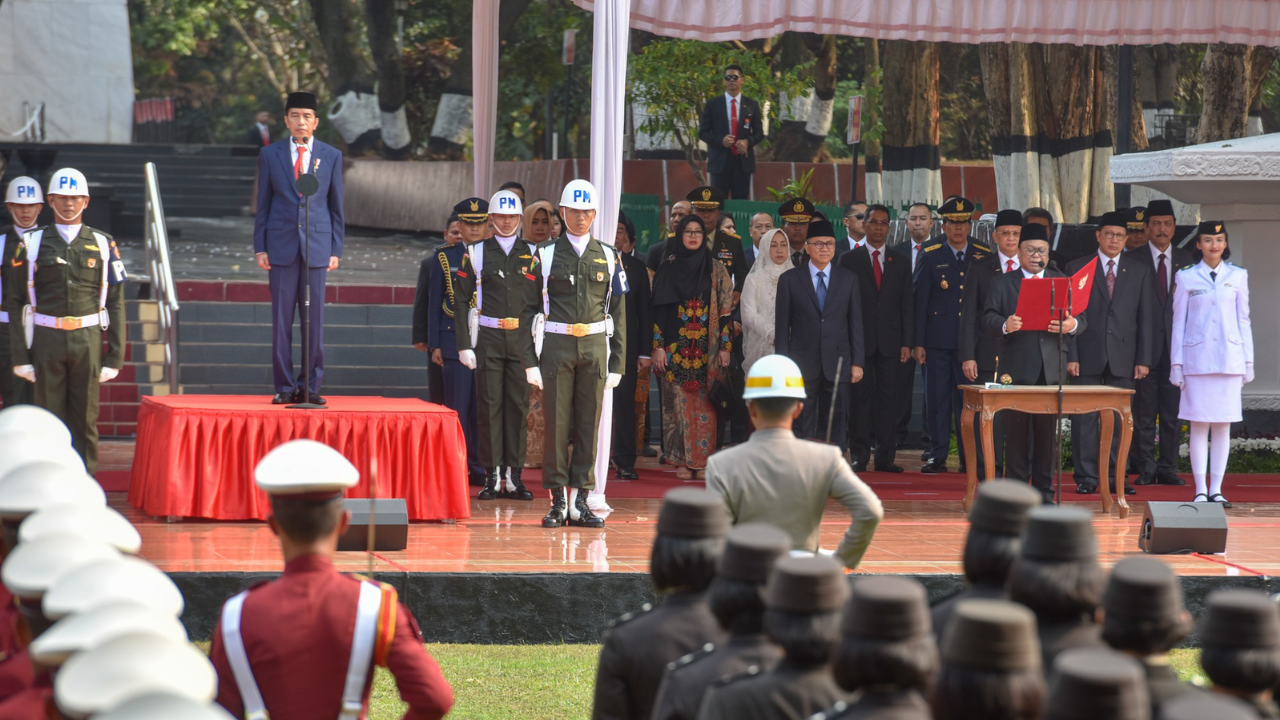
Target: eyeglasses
(1114, 235)
(822, 245)
(693, 233)
(732, 78)
(878, 222)
(857, 216)
(1036, 252)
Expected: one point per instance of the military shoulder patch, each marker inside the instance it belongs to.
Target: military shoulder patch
(747, 674)
(628, 617)
(931, 248)
(692, 657)
(983, 248)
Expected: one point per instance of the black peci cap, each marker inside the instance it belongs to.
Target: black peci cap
(1033, 231)
(690, 513)
(798, 210)
(705, 197)
(992, 635)
(750, 550)
(806, 585)
(1008, 217)
(886, 608)
(1143, 589)
(1240, 619)
(302, 101)
(1059, 534)
(1157, 208)
(1093, 683)
(821, 228)
(1114, 218)
(1211, 227)
(1002, 506)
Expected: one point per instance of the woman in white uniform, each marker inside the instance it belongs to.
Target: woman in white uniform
(1212, 353)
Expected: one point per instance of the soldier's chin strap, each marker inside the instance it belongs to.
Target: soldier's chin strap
(78, 217)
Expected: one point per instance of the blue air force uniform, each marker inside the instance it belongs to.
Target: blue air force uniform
(442, 328)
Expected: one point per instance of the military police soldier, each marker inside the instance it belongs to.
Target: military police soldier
(25, 201)
(496, 281)
(74, 295)
(447, 322)
(939, 293)
(578, 340)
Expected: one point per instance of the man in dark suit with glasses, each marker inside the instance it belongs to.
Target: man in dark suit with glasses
(731, 127)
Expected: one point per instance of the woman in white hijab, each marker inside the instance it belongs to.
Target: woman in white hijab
(760, 295)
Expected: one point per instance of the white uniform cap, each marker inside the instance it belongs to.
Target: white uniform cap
(24, 191)
(32, 568)
(505, 202)
(305, 466)
(108, 581)
(86, 631)
(163, 706)
(774, 376)
(579, 194)
(32, 420)
(36, 485)
(87, 521)
(94, 682)
(69, 181)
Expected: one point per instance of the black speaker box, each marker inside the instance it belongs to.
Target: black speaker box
(1180, 527)
(391, 519)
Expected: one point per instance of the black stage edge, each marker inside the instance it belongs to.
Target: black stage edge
(537, 608)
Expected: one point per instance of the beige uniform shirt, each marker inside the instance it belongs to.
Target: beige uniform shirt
(777, 479)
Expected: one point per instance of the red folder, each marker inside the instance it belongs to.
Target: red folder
(1042, 299)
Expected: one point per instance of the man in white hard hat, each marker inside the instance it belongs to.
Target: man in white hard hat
(24, 200)
(496, 283)
(578, 353)
(778, 479)
(284, 649)
(72, 295)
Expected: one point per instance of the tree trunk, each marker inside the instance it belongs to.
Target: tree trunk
(871, 148)
(1231, 76)
(354, 110)
(911, 169)
(380, 16)
(803, 139)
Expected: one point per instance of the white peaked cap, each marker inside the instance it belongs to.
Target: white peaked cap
(102, 679)
(305, 466)
(31, 568)
(165, 706)
(32, 419)
(34, 486)
(111, 580)
(85, 631)
(87, 521)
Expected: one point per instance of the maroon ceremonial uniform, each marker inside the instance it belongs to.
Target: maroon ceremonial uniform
(297, 634)
(34, 703)
(16, 674)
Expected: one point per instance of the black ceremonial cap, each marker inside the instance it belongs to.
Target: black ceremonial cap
(750, 550)
(1059, 534)
(1135, 218)
(1002, 506)
(472, 210)
(796, 211)
(1144, 589)
(705, 198)
(1115, 218)
(1211, 227)
(1008, 217)
(992, 635)
(690, 513)
(303, 101)
(821, 228)
(1241, 619)
(1159, 207)
(1203, 706)
(1097, 684)
(957, 210)
(886, 608)
(813, 584)
(1033, 231)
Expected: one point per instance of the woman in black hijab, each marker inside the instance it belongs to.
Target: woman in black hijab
(692, 299)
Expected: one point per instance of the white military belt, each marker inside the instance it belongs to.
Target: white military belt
(69, 322)
(576, 329)
(499, 323)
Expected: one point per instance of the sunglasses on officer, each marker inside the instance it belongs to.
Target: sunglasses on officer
(730, 77)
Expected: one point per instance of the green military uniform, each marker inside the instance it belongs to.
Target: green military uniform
(577, 293)
(13, 389)
(67, 356)
(507, 296)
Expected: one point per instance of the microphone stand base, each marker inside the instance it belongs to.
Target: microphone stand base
(305, 406)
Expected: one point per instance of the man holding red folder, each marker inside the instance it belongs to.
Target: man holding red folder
(1028, 357)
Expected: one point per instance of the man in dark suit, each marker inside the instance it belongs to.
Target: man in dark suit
(259, 134)
(731, 127)
(638, 334)
(1028, 357)
(818, 324)
(655, 255)
(939, 289)
(979, 352)
(422, 309)
(1157, 399)
(919, 224)
(278, 240)
(1115, 349)
(888, 324)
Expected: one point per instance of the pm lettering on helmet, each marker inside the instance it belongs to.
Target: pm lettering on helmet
(506, 203)
(581, 195)
(26, 191)
(66, 182)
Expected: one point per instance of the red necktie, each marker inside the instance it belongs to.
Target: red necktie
(297, 164)
(1162, 278)
(266, 139)
(875, 266)
(1008, 266)
(733, 118)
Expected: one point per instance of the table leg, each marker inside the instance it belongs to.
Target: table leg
(988, 444)
(1122, 458)
(971, 470)
(1104, 459)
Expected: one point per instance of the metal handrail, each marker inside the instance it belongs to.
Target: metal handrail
(158, 264)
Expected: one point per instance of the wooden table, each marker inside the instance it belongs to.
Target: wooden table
(1043, 400)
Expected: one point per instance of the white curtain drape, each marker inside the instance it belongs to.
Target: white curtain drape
(484, 92)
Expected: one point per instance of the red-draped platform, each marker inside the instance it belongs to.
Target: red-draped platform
(196, 453)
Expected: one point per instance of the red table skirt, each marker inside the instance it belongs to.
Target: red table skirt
(196, 453)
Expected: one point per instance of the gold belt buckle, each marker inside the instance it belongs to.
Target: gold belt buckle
(509, 323)
(70, 323)
(580, 330)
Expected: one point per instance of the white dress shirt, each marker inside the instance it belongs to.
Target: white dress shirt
(1005, 260)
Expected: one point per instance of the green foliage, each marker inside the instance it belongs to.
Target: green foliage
(872, 99)
(795, 188)
(965, 131)
(176, 26)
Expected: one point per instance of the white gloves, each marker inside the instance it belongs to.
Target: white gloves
(612, 380)
(107, 374)
(1175, 376)
(1248, 372)
(467, 358)
(534, 376)
(26, 372)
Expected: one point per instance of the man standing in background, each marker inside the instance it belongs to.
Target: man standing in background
(731, 127)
